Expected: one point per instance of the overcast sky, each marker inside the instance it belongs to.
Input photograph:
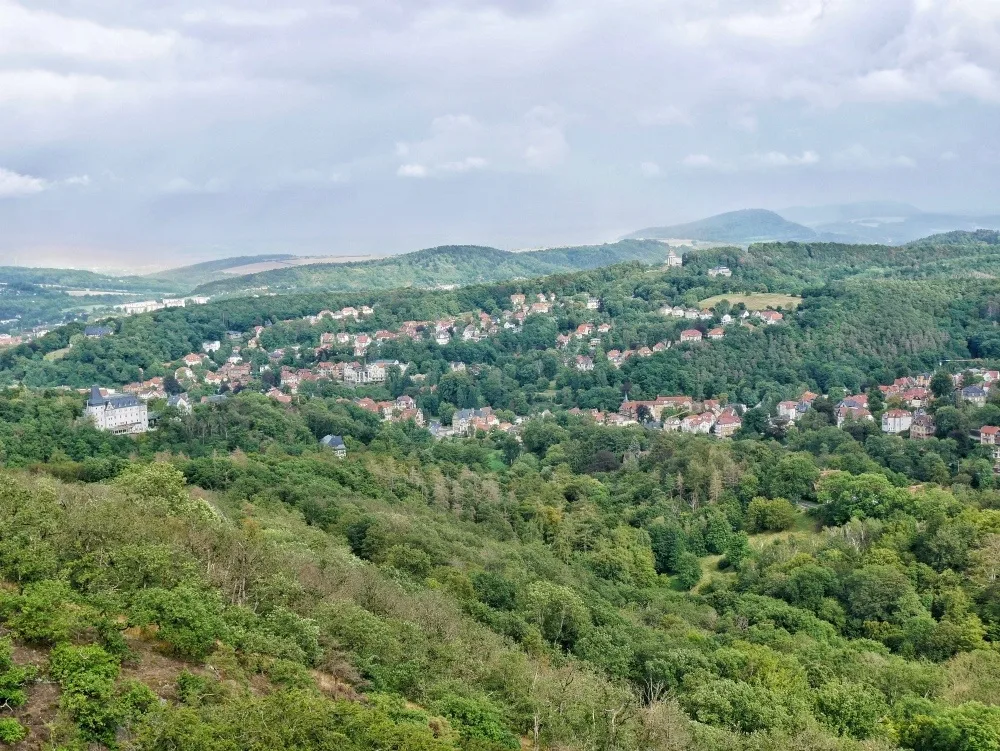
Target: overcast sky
(154, 133)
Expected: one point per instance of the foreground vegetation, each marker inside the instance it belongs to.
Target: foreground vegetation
(478, 594)
(224, 583)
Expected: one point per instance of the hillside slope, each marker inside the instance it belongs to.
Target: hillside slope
(741, 227)
(200, 273)
(443, 266)
(81, 279)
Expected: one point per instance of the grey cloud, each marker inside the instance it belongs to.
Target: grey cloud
(242, 117)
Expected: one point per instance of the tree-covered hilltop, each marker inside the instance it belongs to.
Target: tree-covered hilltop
(437, 267)
(740, 227)
(792, 266)
(78, 279)
(224, 583)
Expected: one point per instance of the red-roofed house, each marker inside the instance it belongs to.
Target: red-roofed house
(690, 335)
(727, 424)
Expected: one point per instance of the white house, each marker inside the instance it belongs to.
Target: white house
(120, 414)
(896, 421)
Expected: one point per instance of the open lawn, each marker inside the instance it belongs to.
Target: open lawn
(754, 301)
(57, 354)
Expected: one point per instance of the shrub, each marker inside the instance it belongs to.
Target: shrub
(46, 612)
(476, 720)
(12, 677)
(189, 619)
(774, 515)
(11, 731)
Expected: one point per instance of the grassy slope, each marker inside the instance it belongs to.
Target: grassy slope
(440, 266)
(754, 301)
(191, 276)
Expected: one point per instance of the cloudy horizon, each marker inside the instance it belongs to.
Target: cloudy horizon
(156, 136)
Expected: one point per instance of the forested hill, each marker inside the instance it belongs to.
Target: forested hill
(188, 277)
(23, 276)
(436, 267)
(740, 227)
(794, 265)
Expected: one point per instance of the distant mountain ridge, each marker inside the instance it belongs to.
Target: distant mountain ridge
(865, 222)
(442, 266)
(740, 227)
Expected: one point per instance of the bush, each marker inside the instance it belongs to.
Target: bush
(774, 515)
(476, 720)
(12, 731)
(46, 612)
(189, 619)
(12, 677)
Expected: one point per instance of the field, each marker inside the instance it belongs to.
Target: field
(254, 268)
(754, 301)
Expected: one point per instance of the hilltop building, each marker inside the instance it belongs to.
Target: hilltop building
(120, 414)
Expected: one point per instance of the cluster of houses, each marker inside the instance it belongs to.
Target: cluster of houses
(13, 340)
(617, 358)
(672, 414)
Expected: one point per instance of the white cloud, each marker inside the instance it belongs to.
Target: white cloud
(13, 184)
(754, 162)
(701, 161)
(461, 143)
(666, 115)
(649, 169)
(183, 186)
(781, 159)
(858, 157)
(412, 170)
(33, 33)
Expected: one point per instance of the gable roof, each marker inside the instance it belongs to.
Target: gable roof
(333, 442)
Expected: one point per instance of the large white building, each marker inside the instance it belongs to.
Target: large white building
(121, 414)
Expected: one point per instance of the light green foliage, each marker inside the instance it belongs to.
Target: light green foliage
(12, 731)
(187, 618)
(476, 720)
(770, 515)
(46, 612)
(91, 695)
(968, 727)
(12, 677)
(851, 709)
(558, 612)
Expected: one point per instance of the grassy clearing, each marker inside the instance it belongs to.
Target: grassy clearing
(754, 301)
(57, 354)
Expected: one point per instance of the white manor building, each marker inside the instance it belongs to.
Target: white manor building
(121, 414)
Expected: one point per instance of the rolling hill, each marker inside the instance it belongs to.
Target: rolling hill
(739, 227)
(886, 222)
(438, 267)
(200, 273)
(78, 279)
